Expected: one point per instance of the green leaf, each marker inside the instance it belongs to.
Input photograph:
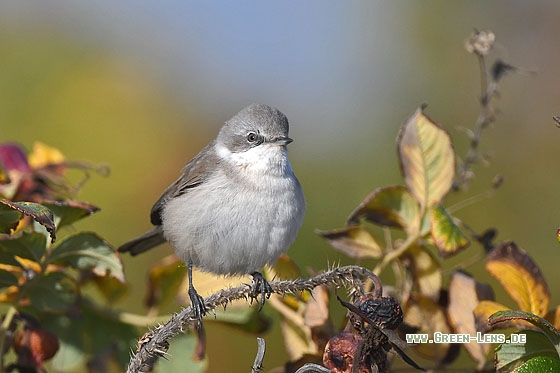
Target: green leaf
(104, 329)
(511, 355)
(111, 288)
(70, 356)
(182, 349)
(37, 212)
(391, 206)
(31, 246)
(88, 251)
(547, 328)
(53, 292)
(427, 159)
(68, 211)
(9, 218)
(8, 259)
(539, 364)
(164, 279)
(249, 320)
(447, 236)
(7, 279)
(355, 241)
(97, 334)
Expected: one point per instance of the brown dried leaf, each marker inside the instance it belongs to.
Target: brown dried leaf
(554, 317)
(465, 293)
(317, 317)
(355, 241)
(297, 339)
(428, 317)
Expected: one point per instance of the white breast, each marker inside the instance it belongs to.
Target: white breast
(236, 225)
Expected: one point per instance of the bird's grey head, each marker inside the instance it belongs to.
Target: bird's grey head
(254, 125)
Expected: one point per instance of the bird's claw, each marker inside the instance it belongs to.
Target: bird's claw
(197, 304)
(260, 287)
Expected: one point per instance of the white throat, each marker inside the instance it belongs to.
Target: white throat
(265, 159)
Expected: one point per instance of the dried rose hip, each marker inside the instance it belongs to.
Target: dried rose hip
(384, 312)
(34, 346)
(340, 352)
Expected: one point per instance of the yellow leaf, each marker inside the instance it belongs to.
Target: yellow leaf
(44, 155)
(208, 283)
(520, 277)
(427, 159)
(284, 269)
(29, 264)
(11, 268)
(486, 308)
(426, 271)
(9, 295)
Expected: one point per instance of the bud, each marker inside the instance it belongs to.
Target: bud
(480, 42)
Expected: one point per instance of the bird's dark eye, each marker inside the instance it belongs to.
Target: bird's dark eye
(252, 137)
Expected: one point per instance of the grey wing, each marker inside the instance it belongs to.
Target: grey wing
(194, 173)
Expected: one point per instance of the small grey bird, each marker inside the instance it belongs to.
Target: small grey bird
(236, 206)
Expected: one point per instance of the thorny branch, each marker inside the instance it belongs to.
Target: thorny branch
(155, 343)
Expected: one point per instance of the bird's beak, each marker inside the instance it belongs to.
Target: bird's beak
(282, 141)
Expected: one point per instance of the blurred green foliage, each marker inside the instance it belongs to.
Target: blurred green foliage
(107, 106)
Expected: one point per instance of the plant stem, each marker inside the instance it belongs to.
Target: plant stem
(392, 255)
(12, 311)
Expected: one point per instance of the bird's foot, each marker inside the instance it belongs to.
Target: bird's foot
(260, 287)
(197, 303)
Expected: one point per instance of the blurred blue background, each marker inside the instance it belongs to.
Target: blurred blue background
(142, 86)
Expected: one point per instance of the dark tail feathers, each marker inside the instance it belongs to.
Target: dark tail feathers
(143, 243)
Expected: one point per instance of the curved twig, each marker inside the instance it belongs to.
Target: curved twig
(257, 365)
(155, 343)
